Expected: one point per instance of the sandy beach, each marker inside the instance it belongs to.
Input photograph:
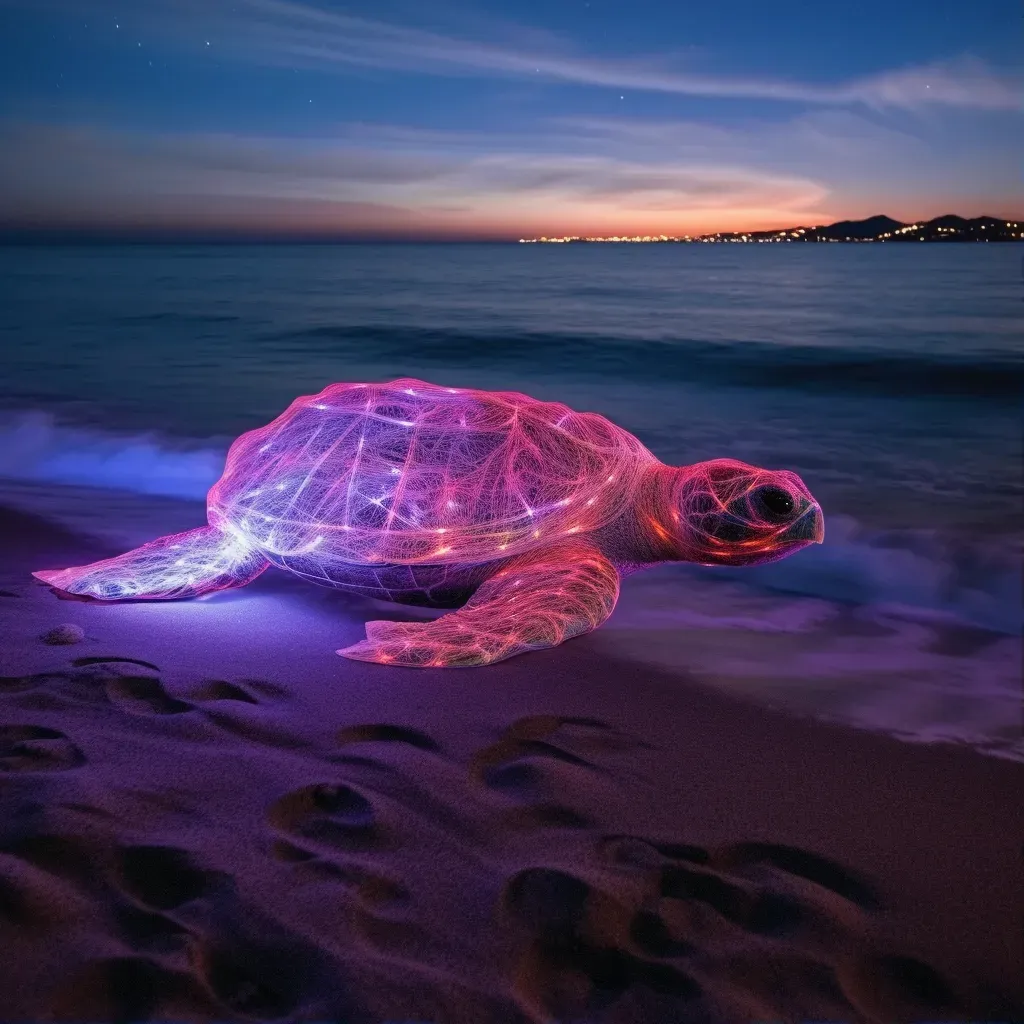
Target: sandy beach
(675, 322)
(208, 815)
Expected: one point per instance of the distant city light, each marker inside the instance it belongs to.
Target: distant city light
(921, 231)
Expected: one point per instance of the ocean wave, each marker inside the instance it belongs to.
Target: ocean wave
(744, 364)
(946, 576)
(34, 447)
(173, 316)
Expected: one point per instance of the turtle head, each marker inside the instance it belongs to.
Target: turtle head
(734, 514)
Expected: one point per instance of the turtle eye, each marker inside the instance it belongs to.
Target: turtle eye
(773, 503)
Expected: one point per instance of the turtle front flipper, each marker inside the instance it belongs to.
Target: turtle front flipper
(533, 602)
(180, 565)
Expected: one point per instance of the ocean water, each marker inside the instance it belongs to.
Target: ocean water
(890, 378)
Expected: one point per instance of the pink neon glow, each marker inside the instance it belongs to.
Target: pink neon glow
(524, 513)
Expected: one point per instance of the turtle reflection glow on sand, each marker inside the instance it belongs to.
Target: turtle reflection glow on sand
(524, 513)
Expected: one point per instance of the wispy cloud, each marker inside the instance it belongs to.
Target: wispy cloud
(885, 142)
(295, 34)
(164, 174)
(119, 162)
(571, 176)
(855, 152)
(291, 32)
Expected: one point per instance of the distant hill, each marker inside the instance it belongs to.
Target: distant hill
(873, 227)
(880, 228)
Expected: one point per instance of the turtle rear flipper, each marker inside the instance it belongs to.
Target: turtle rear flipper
(180, 565)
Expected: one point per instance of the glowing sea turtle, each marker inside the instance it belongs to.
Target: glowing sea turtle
(524, 513)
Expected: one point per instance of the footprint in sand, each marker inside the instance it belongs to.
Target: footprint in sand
(157, 880)
(382, 916)
(60, 856)
(220, 689)
(649, 950)
(161, 877)
(748, 925)
(249, 964)
(379, 733)
(134, 694)
(50, 691)
(328, 817)
(244, 691)
(377, 906)
(568, 740)
(34, 748)
(262, 971)
(631, 852)
(112, 660)
(117, 989)
(537, 762)
(806, 903)
(249, 981)
(233, 706)
(22, 684)
(575, 957)
(152, 877)
(886, 987)
(220, 700)
(149, 932)
(30, 902)
(239, 708)
(793, 863)
(144, 696)
(236, 961)
(317, 823)
(383, 733)
(335, 816)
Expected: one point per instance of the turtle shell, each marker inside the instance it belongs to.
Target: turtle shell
(408, 472)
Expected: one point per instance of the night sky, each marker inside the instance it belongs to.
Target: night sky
(505, 118)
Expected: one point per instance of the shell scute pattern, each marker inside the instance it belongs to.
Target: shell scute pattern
(407, 472)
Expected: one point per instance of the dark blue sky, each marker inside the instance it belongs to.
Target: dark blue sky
(506, 119)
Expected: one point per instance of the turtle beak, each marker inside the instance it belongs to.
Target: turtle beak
(819, 528)
(809, 528)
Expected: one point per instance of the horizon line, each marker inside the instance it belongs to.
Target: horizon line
(36, 234)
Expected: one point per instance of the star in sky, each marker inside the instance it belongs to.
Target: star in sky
(743, 118)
